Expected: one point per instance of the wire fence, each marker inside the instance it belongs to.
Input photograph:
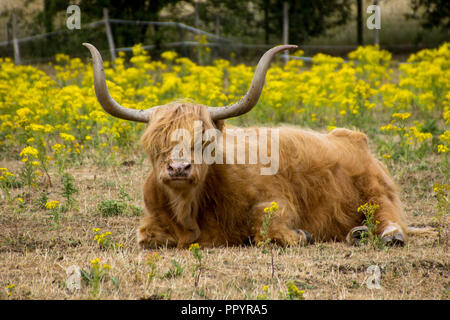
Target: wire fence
(36, 48)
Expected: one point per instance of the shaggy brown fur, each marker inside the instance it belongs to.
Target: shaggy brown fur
(321, 181)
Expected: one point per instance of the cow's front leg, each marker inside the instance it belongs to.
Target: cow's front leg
(152, 235)
(187, 231)
(282, 228)
(187, 237)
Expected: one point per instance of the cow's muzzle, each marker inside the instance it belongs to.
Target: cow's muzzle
(178, 170)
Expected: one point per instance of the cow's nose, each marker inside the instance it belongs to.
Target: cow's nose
(178, 169)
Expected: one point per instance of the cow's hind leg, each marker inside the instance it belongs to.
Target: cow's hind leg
(393, 235)
(379, 188)
(391, 226)
(281, 228)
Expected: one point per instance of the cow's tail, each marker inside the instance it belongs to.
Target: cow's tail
(422, 231)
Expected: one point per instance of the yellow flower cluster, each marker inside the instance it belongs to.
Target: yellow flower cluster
(28, 152)
(401, 116)
(10, 289)
(169, 55)
(444, 147)
(441, 187)
(97, 264)
(412, 138)
(5, 174)
(103, 239)
(194, 246)
(263, 296)
(272, 209)
(293, 292)
(52, 204)
(368, 208)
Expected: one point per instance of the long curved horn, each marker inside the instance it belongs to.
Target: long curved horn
(251, 97)
(105, 99)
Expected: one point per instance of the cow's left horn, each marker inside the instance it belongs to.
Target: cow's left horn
(252, 96)
(105, 99)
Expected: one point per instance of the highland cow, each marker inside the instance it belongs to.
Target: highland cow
(320, 182)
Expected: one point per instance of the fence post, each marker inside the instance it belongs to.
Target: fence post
(8, 39)
(286, 29)
(359, 23)
(15, 40)
(217, 25)
(109, 34)
(197, 17)
(377, 34)
(180, 33)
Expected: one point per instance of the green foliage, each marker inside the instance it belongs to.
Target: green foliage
(54, 215)
(112, 207)
(68, 189)
(8, 180)
(196, 268)
(433, 13)
(40, 203)
(135, 210)
(175, 271)
(109, 208)
(152, 259)
(123, 195)
(266, 242)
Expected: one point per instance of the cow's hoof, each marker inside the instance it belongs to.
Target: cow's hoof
(306, 235)
(356, 234)
(395, 240)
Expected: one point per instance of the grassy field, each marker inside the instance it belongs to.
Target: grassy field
(35, 254)
(71, 178)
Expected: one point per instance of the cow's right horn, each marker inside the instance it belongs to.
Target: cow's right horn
(105, 99)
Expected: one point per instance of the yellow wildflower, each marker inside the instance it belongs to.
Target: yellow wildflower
(401, 116)
(194, 246)
(52, 204)
(29, 151)
(67, 137)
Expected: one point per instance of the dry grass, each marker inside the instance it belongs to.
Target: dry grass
(34, 256)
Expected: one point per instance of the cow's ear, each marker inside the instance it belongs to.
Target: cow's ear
(219, 124)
